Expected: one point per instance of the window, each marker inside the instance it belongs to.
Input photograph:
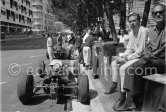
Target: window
(3, 2)
(8, 13)
(15, 4)
(20, 18)
(3, 12)
(16, 15)
(22, 8)
(13, 15)
(19, 7)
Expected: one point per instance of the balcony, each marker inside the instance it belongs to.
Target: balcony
(37, 23)
(36, 16)
(37, 3)
(36, 10)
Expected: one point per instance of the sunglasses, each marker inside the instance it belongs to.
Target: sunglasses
(160, 12)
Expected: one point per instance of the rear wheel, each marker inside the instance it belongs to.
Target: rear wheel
(83, 88)
(25, 88)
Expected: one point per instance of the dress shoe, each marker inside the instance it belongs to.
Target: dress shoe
(89, 67)
(127, 105)
(120, 101)
(81, 62)
(86, 67)
(112, 89)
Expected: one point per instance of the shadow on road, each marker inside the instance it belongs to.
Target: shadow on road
(38, 99)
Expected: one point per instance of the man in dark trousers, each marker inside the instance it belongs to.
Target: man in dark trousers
(78, 42)
(152, 62)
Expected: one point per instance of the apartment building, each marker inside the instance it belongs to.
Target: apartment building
(16, 16)
(43, 21)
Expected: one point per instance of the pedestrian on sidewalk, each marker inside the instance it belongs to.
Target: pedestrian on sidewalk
(50, 48)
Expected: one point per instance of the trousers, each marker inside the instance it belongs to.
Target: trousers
(119, 69)
(49, 50)
(87, 55)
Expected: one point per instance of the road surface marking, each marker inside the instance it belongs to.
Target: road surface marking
(25, 64)
(35, 56)
(2, 83)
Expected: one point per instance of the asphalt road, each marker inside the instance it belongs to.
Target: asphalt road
(25, 53)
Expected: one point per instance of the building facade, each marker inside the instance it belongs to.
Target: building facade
(43, 21)
(16, 16)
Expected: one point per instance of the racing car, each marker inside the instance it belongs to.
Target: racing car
(59, 78)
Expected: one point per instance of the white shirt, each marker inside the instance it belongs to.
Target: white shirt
(136, 45)
(68, 37)
(49, 42)
(84, 38)
(123, 39)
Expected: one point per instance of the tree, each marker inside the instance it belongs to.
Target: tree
(123, 14)
(146, 13)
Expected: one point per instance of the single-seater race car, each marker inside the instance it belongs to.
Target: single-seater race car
(61, 77)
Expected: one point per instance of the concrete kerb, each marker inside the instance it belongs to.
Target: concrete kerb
(20, 38)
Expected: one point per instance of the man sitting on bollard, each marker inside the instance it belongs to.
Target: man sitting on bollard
(134, 49)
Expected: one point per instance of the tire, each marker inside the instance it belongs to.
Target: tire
(83, 88)
(41, 68)
(25, 88)
(47, 56)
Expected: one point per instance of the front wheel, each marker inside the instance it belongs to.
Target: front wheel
(25, 88)
(83, 88)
